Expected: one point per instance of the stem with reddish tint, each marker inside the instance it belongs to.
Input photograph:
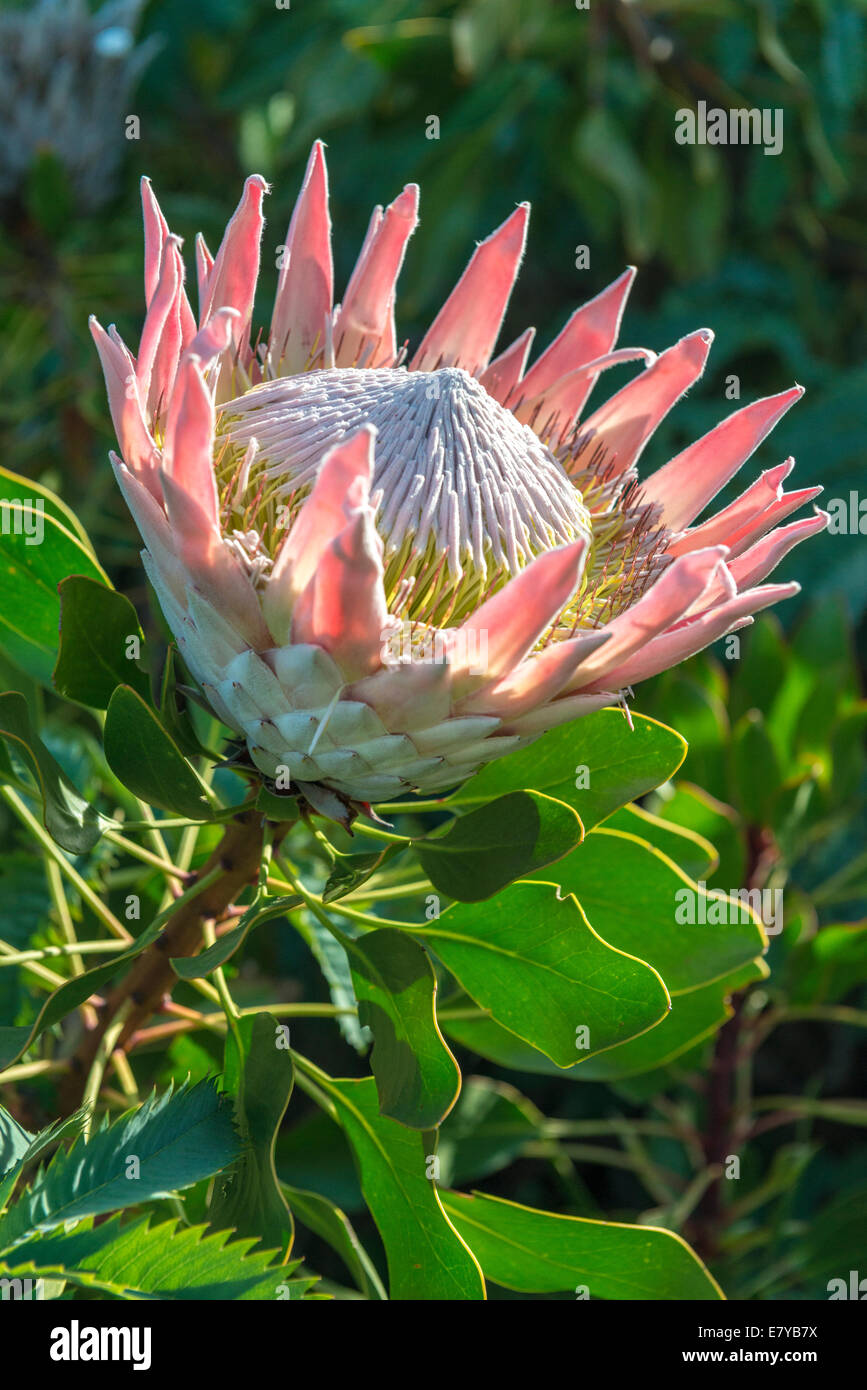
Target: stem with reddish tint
(151, 977)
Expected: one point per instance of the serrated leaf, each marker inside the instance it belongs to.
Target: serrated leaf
(177, 1139)
(140, 1260)
(18, 1147)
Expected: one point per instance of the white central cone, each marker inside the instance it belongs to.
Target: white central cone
(456, 475)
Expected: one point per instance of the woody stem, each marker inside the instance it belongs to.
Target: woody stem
(141, 992)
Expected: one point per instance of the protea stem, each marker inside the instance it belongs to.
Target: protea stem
(151, 978)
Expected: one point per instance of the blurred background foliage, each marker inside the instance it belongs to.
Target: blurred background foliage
(573, 110)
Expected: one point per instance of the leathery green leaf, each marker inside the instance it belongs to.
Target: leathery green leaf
(537, 1252)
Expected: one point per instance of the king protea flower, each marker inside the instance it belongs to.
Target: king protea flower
(385, 570)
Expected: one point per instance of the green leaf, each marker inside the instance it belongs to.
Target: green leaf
(95, 625)
(417, 1078)
(197, 967)
(533, 960)
(18, 1147)
(15, 1142)
(493, 845)
(332, 1225)
(261, 1081)
(699, 714)
(29, 576)
(16, 1040)
(275, 807)
(147, 760)
(594, 765)
(488, 1129)
(538, 1252)
(756, 772)
(349, 871)
(692, 1018)
(330, 955)
(67, 817)
(15, 488)
(826, 967)
(761, 671)
(641, 903)
(696, 810)
(426, 1257)
(177, 1139)
(835, 1239)
(166, 1261)
(690, 851)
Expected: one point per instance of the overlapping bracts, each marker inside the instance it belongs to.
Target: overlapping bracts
(308, 497)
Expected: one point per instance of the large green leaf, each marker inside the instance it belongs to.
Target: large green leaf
(417, 1078)
(145, 757)
(29, 576)
(640, 902)
(261, 1079)
(332, 1225)
(138, 1260)
(168, 1143)
(67, 817)
(426, 1257)
(594, 765)
(537, 1252)
(533, 960)
(96, 624)
(495, 844)
(692, 1018)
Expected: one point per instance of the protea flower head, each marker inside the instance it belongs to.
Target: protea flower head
(385, 569)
